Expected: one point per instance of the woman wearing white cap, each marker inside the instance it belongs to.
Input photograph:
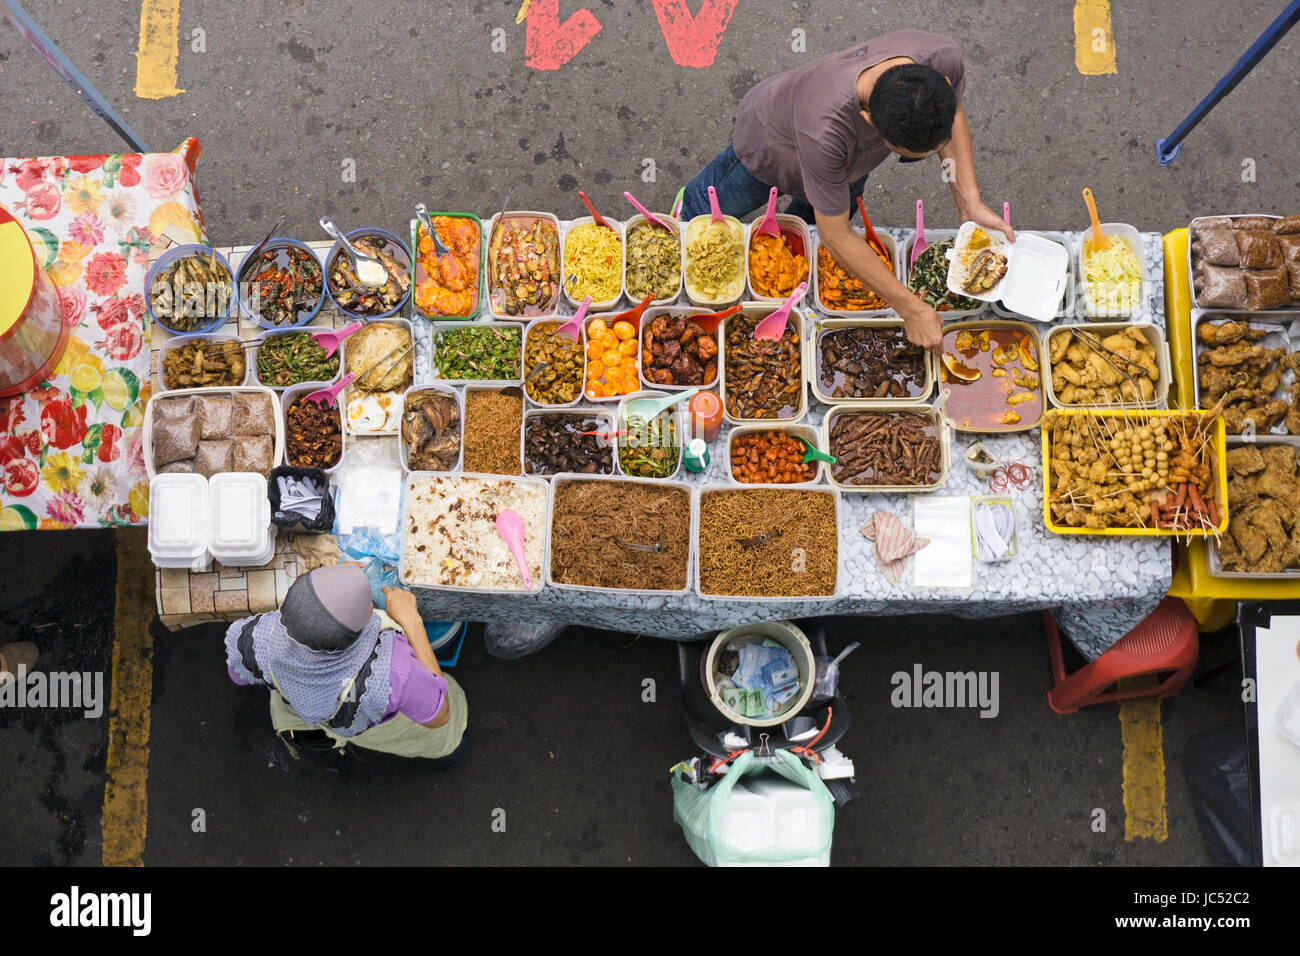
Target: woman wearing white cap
(342, 672)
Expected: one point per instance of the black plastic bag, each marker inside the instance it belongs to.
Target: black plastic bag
(292, 522)
(1218, 776)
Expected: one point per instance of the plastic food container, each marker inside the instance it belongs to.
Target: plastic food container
(277, 419)
(535, 328)
(1219, 466)
(459, 396)
(419, 275)
(1115, 230)
(673, 311)
(159, 267)
(657, 482)
(898, 271)
(272, 333)
(1191, 278)
(703, 491)
(974, 538)
(1035, 281)
(246, 306)
(931, 412)
(290, 395)
(789, 222)
(240, 533)
(610, 318)
(799, 318)
(1284, 828)
(603, 305)
(223, 340)
(1101, 330)
(440, 328)
(605, 420)
(412, 482)
(803, 431)
(394, 359)
(488, 229)
(1213, 562)
(813, 363)
(700, 299)
(904, 259)
(678, 420)
(1067, 307)
(404, 257)
(638, 220)
(1278, 337)
(1044, 371)
(178, 531)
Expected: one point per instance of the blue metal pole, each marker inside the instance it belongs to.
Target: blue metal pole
(42, 44)
(1167, 149)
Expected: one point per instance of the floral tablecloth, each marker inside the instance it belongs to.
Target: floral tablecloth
(72, 449)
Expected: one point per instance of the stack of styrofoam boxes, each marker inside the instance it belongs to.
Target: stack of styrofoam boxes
(194, 520)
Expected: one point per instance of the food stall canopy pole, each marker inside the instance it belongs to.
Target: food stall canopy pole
(42, 44)
(1167, 149)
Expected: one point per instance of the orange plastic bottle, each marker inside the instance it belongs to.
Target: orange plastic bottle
(706, 415)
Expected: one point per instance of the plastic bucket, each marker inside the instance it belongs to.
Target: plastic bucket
(785, 634)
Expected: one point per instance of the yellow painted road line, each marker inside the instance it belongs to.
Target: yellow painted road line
(523, 12)
(159, 49)
(1094, 40)
(126, 799)
(1145, 811)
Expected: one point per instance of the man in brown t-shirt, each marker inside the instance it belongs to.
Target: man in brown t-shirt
(815, 132)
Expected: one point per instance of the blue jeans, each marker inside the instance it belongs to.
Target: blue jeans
(740, 192)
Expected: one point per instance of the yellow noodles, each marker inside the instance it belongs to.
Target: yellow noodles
(593, 263)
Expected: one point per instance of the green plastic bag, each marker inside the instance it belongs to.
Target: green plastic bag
(778, 814)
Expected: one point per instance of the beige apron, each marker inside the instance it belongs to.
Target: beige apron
(399, 735)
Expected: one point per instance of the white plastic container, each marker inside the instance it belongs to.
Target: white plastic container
(790, 222)
(240, 533)
(1036, 278)
(803, 431)
(277, 419)
(649, 316)
(610, 318)
(813, 361)
(290, 395)
(489, 228)
(931, 412)
(441, 328)
(459, 396)
(464, 415)
(799, 318)
(657, 482)
(1284, 830)
(1101, 330)
(178, 526)
(1287, 716)
(1114, 230)
(604, 305)
(393, 360)
(638, 220)
(932, 236)
(1278, 336)
(679, 431)
(223, 340)
(538, 327)
(898, 271)
(604, 419)
(1290, 311)
(268, 334)
(697, 297)
(1068, 306)
(1213, 562)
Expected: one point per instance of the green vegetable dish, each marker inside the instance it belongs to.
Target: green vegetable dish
(292, 358)
(479, 353)
(929, 280)
(649, 449)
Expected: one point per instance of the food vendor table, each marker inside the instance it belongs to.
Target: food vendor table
(71, 449)
(1101, 587)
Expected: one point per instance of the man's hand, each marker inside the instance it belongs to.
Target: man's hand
(401, 605)
(982, 215)
(923, 325)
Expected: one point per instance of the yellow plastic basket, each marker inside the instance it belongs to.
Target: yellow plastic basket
(1218, 465)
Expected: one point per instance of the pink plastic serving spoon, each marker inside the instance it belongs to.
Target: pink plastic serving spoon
(573, 327)
(649, 216)
(325, 397)
(1006, 213)
(773, 327)
(510, 525)
(768, 226)
(713, 205)
(919, 245)
(330, 340)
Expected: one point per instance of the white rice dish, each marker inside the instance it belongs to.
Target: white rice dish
(449, 534)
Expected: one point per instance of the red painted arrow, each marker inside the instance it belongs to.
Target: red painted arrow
(549, 44)
(693, 40)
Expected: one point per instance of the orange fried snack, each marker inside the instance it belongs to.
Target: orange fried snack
(774, 270)
(839, 290)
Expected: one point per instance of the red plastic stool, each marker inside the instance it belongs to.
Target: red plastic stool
(1165, 644)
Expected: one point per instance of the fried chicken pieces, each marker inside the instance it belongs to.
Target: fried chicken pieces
(1085, 375)
(1264, 501)
(1235, 369)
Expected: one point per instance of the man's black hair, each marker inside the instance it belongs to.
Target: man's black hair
(913, 106)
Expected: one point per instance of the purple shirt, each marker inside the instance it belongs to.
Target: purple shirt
(414, 690)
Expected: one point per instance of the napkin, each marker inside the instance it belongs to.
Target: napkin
(894, 543)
